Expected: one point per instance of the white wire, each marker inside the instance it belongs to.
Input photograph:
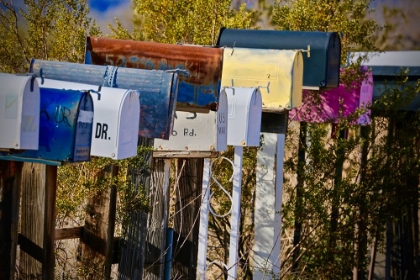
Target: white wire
(222, 188)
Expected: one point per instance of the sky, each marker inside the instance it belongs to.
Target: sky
(104, 11)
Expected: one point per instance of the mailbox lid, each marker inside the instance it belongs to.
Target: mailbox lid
(115, 120)
(65, 128)
(198, 132)
(279, 70)
(19, 112)
(197, 91)
(244, 116)
(128, 125)
(328, 105)
(158, 89)
(322, 68)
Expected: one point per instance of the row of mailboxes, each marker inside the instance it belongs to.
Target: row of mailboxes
(19, 112)
(76, 122)
(65, 128)
(158, 89)
(115, 119)
(200, 67)
(237, 122)
(322, 63)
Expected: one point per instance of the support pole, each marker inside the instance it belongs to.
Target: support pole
(236, 215)
(204, 222)
(10, 174)
(48, 257)
(268, 202)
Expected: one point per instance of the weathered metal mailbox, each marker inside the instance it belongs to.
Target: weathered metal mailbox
(198, 132)
(329, 105)
(201, 67)
(65, 128)
(115, 119)
(158, 89)
(244, 116)
(277, 73)
(322, 66)
(19, 112)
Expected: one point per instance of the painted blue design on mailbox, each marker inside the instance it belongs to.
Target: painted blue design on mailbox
(201, 66)
(158, 89)
(65, 129)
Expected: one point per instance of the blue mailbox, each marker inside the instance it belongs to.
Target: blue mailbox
(158, 89)
(321, 64)
(65, 129)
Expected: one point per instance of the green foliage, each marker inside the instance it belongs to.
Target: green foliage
(183, 21)
(348, 17)
(85, 180)
(44, 29)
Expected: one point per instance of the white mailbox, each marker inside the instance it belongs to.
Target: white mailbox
(244, 116)
(19, 112)
(115, 119)
(198, 132)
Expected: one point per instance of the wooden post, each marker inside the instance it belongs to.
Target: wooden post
(48, 260)
(186, 222)
(10, 175)
(157, 223)
(133, 247)
(98, 234)
(32, 219)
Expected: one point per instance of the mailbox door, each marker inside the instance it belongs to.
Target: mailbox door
(278, 73)
(198, 132)
(115, 121)
(244, 116)
(198, 91)
(158, 89)
(128, 124)
(19, 112)
(321, 68)
(65, 128)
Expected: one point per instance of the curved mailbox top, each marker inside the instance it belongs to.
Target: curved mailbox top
(65, 128)
(330, 104)
(197, 132)
(322, 68)
(19, 112)
(158, 89)
(278, 74)
(115, 119)
(244, 116)
(198, 91)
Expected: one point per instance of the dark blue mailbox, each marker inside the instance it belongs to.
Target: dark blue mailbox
(65, 129)
(158, 89)
(321, 68)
